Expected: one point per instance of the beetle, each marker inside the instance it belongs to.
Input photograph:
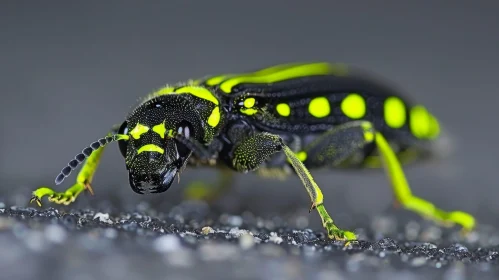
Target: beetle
(279, 120)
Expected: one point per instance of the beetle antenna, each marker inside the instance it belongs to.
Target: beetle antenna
(85, 153)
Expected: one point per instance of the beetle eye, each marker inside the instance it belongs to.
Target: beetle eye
(184, 128)
(122, 144)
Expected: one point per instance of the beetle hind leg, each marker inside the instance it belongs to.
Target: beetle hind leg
(339, 144)
(413, 203)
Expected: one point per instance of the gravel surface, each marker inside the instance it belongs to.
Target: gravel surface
(193, 241)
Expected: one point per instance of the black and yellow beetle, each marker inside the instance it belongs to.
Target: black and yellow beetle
(279, 120)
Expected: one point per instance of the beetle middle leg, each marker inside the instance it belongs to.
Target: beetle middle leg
(252, 151)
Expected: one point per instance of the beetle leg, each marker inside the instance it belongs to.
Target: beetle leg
(413, 203)
(83, 181)
(251, 152)
(331, 148)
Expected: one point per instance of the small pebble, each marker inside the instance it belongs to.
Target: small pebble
(275, 238)
(207, 230)
(235, 232)
(103, 217)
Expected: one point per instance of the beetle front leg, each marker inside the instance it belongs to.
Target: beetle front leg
(251, 152)
(83, 181)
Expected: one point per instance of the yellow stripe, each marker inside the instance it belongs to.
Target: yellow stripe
(150, 148)
(279, 73)
(220, 78)
(200, 92)
(164, 90)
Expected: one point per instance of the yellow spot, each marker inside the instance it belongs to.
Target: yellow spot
(423, 124)
(200, 92)
(394, 110)
(302, 156)
(249, 102)
(150, 148)
(279, 73)
(319, 107)
(214, 118)
(354, 106)
(138, 130)
(249, 111)
(283, 109)
(160, 129)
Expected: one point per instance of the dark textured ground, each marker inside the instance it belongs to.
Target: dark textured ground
(70, 70)
(193, 241)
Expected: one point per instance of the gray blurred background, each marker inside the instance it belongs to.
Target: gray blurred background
(70, 70)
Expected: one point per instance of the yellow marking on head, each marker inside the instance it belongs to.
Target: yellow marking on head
(200, 92)
(150, 148)
(171, 133)
(214, 118)
(354, 106)
(249, 102)
(283, 109)
(138, 130)
(302, 156)
(319, 107)
(423, 124)
(278, 73)
(160, 129)
(394, 112)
